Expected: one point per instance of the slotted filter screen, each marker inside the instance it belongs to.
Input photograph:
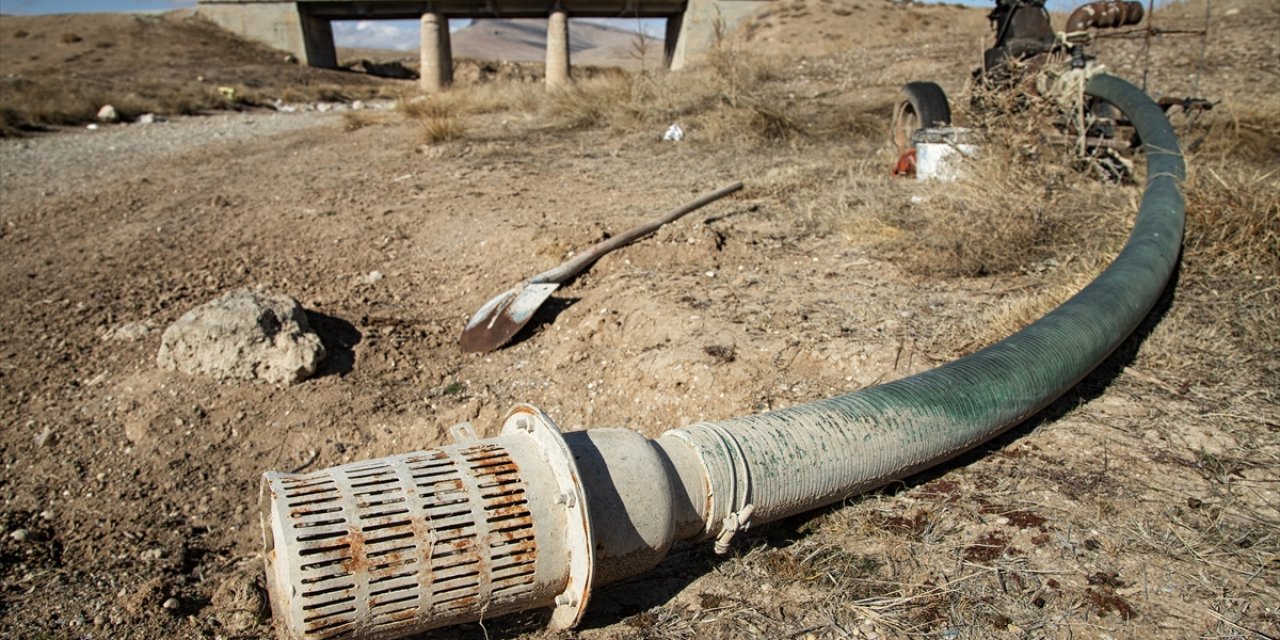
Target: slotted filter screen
(411, 542)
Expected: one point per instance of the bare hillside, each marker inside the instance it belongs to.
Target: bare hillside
(526, 40)
(59, 69)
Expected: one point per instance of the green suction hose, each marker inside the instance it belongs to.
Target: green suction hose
(789, 461)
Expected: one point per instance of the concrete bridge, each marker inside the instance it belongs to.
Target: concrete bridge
(304, 29)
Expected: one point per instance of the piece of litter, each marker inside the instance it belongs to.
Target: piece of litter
(674, 134)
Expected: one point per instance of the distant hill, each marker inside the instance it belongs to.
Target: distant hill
(525, 40)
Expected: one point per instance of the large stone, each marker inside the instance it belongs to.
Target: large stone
(244, 335)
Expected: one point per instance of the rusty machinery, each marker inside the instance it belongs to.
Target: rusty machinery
(1031, 58)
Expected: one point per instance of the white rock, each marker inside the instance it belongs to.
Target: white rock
(128, 331)
(244, 335)
(108, 113)
(357, 105)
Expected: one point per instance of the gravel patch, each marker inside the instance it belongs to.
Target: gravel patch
(63, 161)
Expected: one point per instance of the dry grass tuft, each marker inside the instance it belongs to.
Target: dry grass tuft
(732, 99)
(1021, 203)
(357, 120)
(441, 129)
(596, 102)
(1234, 218)
(483, 98)
(1232, 253)
(438, 118)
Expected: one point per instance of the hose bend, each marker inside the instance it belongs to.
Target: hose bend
(796, 459)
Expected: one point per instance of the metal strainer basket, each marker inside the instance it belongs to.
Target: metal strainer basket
(389, 547)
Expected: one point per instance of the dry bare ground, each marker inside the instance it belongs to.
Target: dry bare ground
(1142, 505)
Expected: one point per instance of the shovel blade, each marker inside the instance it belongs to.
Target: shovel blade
(503, 316)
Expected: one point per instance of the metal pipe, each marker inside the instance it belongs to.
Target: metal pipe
(1104, 15)
(534, 518)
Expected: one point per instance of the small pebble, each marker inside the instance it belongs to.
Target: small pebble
(46, 437)
(172, 604)
(20, 535)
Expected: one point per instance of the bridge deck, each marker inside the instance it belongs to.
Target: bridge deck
(408, 10)
(305, 28)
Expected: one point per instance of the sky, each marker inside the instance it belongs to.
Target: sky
(383, 34)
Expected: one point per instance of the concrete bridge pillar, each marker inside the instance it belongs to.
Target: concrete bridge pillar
(702, 23)
(317, 33)
(436, 57)
(446, 51)
(283, 25)
(675, 26)
(558, 48)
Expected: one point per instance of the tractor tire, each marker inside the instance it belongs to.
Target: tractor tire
(923, 105)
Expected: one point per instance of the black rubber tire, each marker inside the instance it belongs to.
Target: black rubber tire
(924, 105)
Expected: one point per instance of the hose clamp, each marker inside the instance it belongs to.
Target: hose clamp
(731, 525)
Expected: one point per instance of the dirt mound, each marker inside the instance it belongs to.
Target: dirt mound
(61, 69)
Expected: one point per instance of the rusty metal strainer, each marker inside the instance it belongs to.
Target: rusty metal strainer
(390, 547)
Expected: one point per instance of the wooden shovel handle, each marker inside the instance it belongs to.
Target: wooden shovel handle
(578, 263)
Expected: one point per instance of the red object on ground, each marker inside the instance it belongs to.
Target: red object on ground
(906, 166)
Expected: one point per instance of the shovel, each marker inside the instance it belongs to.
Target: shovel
(504, 315)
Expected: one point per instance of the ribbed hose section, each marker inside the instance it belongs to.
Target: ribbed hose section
(789, 461)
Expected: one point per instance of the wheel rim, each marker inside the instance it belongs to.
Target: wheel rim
(905, 123)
